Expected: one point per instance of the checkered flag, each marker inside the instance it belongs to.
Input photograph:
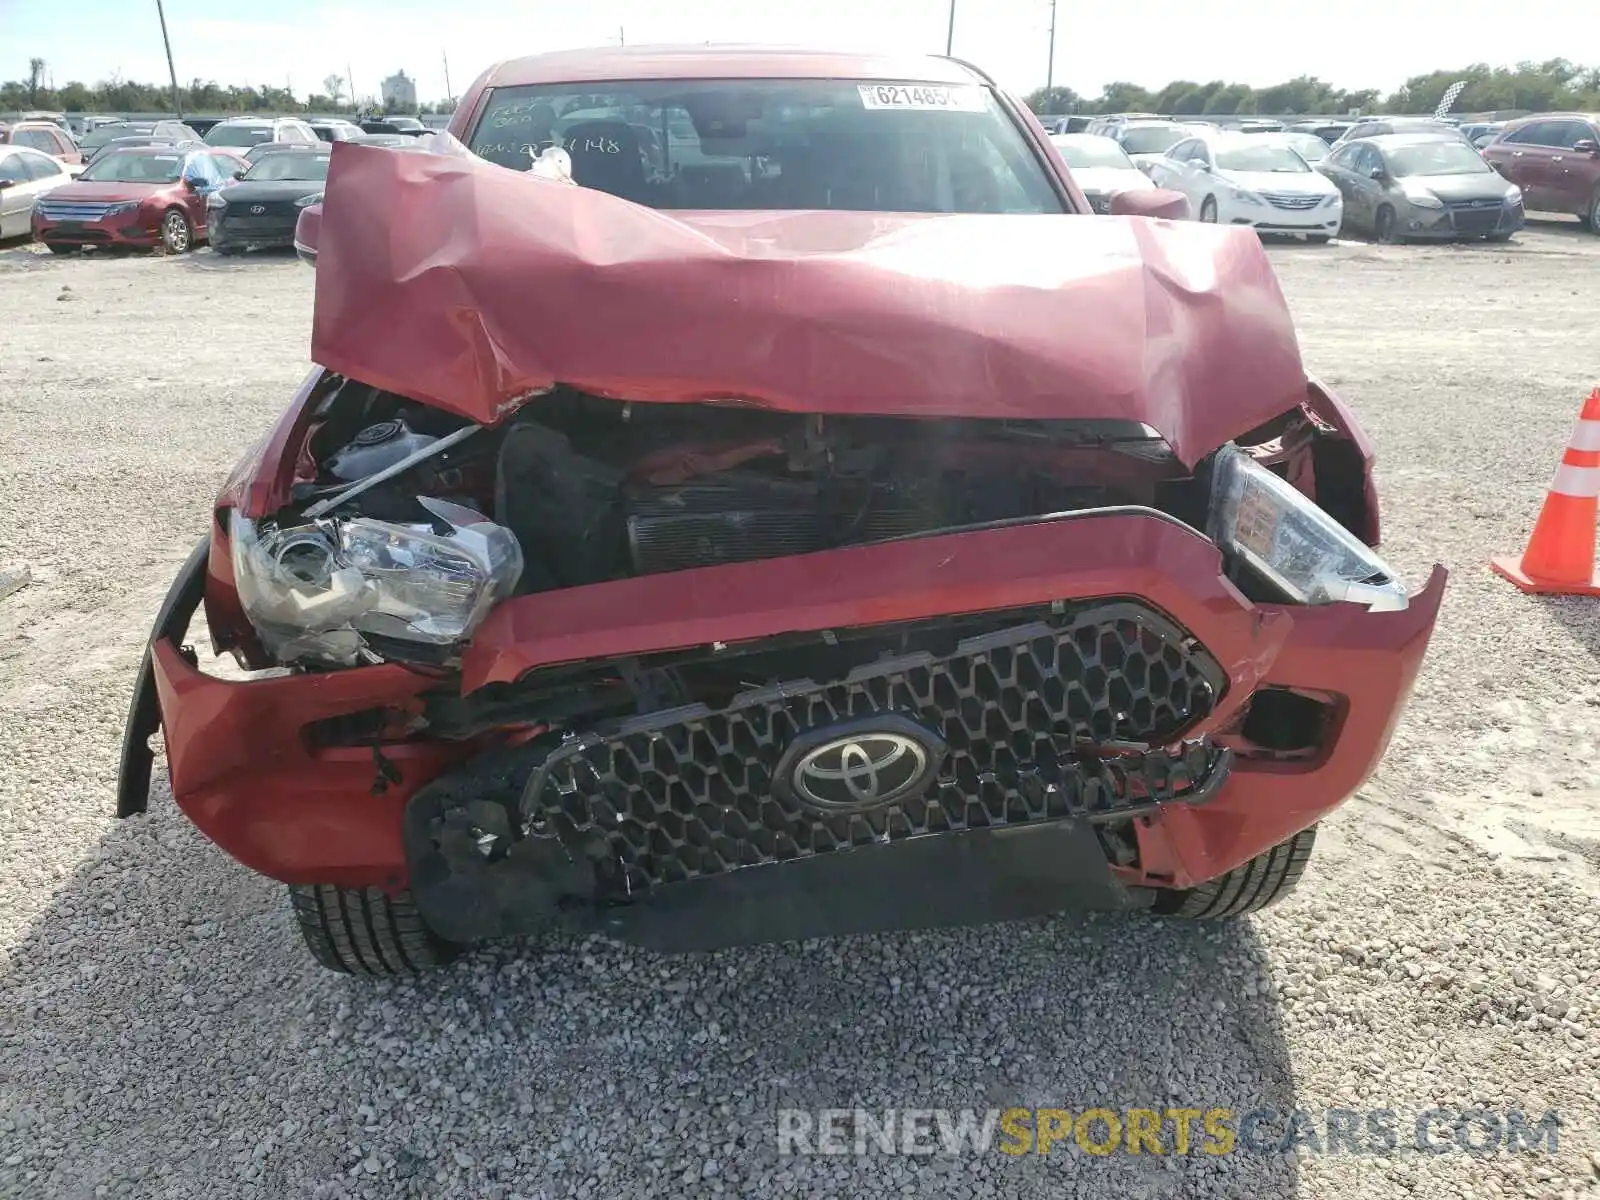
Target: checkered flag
(1450, 94)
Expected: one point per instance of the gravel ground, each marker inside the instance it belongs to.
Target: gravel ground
(162, 1032)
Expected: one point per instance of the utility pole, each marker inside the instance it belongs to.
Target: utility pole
(172, 71)
(950, 34)
(349, 77)
(449, 92)
(622, 36)
(1050, 71)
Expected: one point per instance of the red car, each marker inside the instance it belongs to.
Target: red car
(142, 196)
(816, 522)
(1555, 159)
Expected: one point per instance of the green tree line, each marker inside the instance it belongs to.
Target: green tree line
(1551, 86)
(200, 96)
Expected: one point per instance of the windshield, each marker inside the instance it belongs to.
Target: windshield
(1259, 157)
(1437, 158)
(1307, 145)
(777, 144)
(1152, 139)
(290, 166)
(238, 135)
(96, 138)
(1084, 151)
(121, 166)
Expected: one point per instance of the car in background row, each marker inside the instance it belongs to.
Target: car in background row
(136, 141)
(1100, 166)
(240, 133)
(25, 175)
(1146, 141)
(335, 130)
(1068, 124)
(44, 136)
(390, 141)
(1250, 179)
(261, 208)
(1481, 133)
(1328, 131)
(143, 197)
(1400, 186)
(172, 133)
(1379, 126)
(1307, 145)
(256, 153)
(409, 126)
(1555, 159)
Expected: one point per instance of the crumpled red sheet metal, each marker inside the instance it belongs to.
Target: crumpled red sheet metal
(471, 287)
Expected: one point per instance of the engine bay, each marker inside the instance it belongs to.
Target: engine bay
(596, 489)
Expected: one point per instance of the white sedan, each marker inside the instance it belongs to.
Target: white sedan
(25, 175)
(1100, 166)
(1252, 180)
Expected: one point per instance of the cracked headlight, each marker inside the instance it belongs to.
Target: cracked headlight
(313, 590)
(1283, 536)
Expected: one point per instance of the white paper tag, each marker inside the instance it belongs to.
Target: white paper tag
(922, 97)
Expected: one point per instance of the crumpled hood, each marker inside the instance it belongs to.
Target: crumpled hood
(473, 288)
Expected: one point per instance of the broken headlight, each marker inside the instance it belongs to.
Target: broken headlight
(313, 590)
(1286, 538)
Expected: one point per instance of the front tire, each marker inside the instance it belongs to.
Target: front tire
(1591, 220)
(177, 235)
(1383, 227)
(1208, 210)
(366, 931)
(1264, 880)
(1318, 239)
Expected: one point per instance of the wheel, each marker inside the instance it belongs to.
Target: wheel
(176, 234)
(1592, 218)
(1383, 229)
(1208, 210)
(61, 248)
(1263, 880)
(367, 931)
(1497, 237)
(1318, 239)
(225, 251)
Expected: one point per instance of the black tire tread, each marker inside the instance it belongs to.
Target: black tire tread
(1262, 881)
(366, 931)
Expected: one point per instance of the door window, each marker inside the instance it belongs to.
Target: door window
(1537, 133)
(1568, 134)
(39, 139)
(12, 169)
(40, 166)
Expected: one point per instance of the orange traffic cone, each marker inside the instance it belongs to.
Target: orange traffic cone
(1559, 559)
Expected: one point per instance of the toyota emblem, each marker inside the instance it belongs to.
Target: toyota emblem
(859, 765)
(258, 209)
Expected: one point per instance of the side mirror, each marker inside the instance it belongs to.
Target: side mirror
(239, 174)
(191, 183)
(1151, 202)
(7, 183)
(1586, 146)
(1375, 172)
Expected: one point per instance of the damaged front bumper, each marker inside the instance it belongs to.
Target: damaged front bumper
(664, 830)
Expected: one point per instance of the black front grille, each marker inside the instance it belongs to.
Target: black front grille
(1468, 217)
(1056, 717)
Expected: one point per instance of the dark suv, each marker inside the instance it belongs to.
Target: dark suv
(1555, 159)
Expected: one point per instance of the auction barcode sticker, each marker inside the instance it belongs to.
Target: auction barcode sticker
(923, 97)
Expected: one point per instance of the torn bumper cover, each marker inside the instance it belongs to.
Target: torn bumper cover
(246, 769)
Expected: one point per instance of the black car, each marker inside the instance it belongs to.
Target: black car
(261, 208)
(409, 126)
(145, 139)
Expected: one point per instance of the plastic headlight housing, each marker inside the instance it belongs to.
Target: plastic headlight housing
(1513, 194)
(216, 200)
(126, 206)
(1423, 198)
(312, 590)
(308, 201)
(1244, 197)
(1269, 525)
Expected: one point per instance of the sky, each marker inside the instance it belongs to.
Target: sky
(1355, 44)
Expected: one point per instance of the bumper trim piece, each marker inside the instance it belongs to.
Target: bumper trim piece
(144, 710)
